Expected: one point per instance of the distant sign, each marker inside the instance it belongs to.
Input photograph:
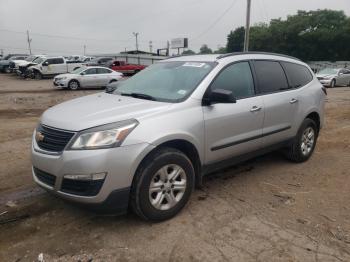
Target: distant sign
(179, 43)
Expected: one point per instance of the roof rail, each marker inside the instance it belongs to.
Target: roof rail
(257, 53)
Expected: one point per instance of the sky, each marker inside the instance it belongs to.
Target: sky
(106, 26)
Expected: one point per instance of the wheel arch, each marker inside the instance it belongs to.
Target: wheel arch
(186, 147)
(316, 118)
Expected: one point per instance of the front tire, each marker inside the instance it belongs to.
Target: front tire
(162, 185)
(38, 75)
(73, 85)
(304, 142)
(332, 85)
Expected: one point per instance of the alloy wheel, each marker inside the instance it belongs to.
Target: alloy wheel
(167, 187)
(307, 141)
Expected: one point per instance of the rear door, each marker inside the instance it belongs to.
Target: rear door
(104, 76)
(235, 128)
(281, 100)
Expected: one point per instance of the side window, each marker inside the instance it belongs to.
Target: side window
(50, 61)
(103, 71)
(90, 71)
(59, 61)
(236, 78)
(271, 77)
(298, 75)
(346, 71)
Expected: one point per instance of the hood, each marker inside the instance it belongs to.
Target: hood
(21, 62)
(99, 109)
(326, 75)
(65, 75)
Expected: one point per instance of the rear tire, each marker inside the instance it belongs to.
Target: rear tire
(304, 142)
(162, 185)
(73, 85)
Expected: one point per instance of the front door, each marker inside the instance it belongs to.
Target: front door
(89, 78)
(236, 128)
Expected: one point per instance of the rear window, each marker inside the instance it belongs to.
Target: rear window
(271, 77)
(103, 71)
(298, 75)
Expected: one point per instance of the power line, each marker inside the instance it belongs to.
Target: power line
(216, 21)
(71, 37)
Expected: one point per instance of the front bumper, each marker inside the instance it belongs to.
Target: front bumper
(118, 163)
(60, 83)
(326, 82)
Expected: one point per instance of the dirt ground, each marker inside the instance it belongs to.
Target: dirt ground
(266, 209)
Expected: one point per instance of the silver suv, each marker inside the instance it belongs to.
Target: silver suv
(148, 143)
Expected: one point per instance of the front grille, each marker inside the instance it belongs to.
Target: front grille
(53, 140)
(81, 187)
(44, 177)
(12, 64)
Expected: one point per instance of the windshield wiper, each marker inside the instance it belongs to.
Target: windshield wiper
(140, 95)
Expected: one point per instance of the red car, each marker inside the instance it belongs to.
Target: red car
(127, 69)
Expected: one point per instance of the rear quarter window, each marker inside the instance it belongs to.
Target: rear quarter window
(298, 75)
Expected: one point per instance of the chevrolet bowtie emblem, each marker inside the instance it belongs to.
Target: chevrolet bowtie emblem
(39, 137)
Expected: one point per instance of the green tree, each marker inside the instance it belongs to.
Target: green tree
(235, 40)
(188, 52)
(308, 35)
(205, 50)
(220, 50)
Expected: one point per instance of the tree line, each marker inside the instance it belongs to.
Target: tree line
(321, 35)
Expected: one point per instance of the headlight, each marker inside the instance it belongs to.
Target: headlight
(106, 136)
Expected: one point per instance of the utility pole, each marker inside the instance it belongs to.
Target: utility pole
(137, 42)
(29, 40)
(247, 27)
(150, 46)
(84, 50)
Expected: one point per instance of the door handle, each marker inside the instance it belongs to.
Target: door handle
(255, 109)
(293, 100)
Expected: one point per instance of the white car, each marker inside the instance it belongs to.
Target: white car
(86, 77)
(332, 77)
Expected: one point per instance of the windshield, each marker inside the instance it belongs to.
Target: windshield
(328, 71)
(78, 70)
(166, 81)
(30, 58)
(38, 60)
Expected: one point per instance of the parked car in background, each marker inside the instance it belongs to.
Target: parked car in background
(87, 77)
(8, 56)
(127, 69)
(51, 66)
(5, 64)
(332, 77)
(20, 66)
(147, 144)
(100, 61)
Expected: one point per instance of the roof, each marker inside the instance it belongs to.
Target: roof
(217, 57)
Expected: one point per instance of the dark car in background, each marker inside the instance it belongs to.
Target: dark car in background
(5, 63)
(100, 61)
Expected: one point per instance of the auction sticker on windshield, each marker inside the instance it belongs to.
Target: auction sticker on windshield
(193, 64)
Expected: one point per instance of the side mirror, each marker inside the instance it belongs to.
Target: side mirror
(340, 73)
(219, 96)
(45, 63)
(82, 73)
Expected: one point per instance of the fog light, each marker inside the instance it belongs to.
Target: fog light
(96, 176)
